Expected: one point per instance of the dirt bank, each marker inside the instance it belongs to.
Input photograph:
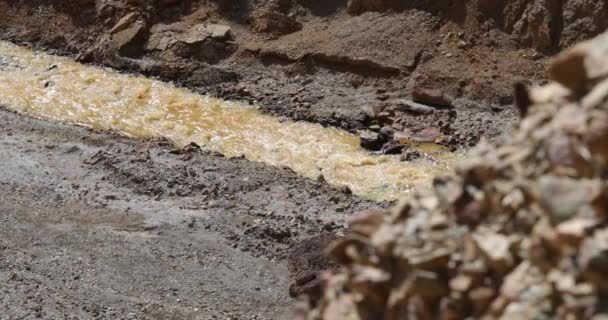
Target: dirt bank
(99, 226)
(343, 63)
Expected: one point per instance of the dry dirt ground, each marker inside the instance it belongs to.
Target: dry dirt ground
(99, 226)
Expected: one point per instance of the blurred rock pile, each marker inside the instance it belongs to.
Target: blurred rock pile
(519, 233)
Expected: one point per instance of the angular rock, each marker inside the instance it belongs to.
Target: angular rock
(573, 231)
(433, 97)
(129, 41)
(593, 259)
(124, 22)
(563, 197)
(481, 298)
(586, 62)
(427, 135)
(219, 31)
(413, 107)
(367, 222)
(495, 248)
(371, 140)
(197, 34)
(392, 147)
(162, 37)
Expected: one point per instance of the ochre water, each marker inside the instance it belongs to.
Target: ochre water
(56, 88)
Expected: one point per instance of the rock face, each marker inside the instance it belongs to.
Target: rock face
(543, 24)
(519, 233)
(548, 24)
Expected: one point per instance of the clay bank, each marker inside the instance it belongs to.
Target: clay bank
(56, 88)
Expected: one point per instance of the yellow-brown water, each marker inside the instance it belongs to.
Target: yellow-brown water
(57, 88)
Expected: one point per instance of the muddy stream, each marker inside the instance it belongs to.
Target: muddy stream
(56, 88)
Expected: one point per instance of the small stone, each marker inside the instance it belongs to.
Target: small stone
(516, 281)
(572, 232)
(428, 284)
(481, 298)
(196, 34)
(129, 42)
(371, 140)
(124, 22)
(461, 283)
(434, 260)
(387, 131)
(367, 222)
(495, 249)
(219, 31)
(413, 107)
(593, 259)
(374, 128)
(392, 147)
(427, 135)
(562, 197)
(368, 111)
(434, 97)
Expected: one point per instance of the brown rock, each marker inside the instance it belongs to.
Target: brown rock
(586, 61)
(461, 283)
(434, 260)
(495, 248)
(433, 97)
(124, 22)
(371, 140)
(516, 281)
(428, 284)
(481, 298)
(219, 31)
(413, 107)
(573, 231)
(593, 259)
(563, 197)
(129, 42)
(367, 222)
(161, 38)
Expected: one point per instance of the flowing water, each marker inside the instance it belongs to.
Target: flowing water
(56, 88)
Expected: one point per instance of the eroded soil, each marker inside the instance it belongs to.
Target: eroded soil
(99, 226)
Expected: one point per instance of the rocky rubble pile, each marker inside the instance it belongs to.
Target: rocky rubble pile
(519, 233)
